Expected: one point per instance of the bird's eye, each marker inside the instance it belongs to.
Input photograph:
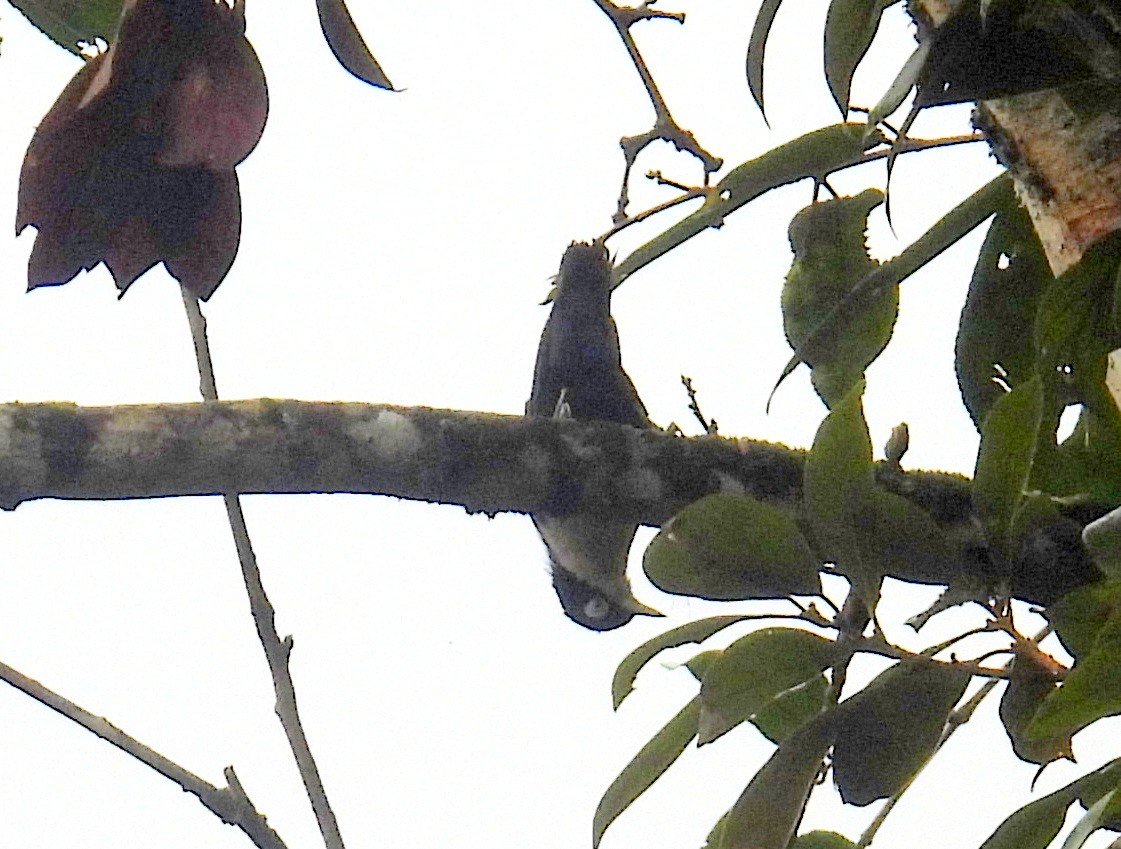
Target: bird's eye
(597, 607)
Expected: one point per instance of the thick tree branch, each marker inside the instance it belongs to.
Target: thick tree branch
(483, 462)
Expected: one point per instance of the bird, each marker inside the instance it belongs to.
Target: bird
(579, 375)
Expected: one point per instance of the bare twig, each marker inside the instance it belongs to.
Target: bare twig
(277, 651)
(665, 127)
(230, 804)
(708, 424)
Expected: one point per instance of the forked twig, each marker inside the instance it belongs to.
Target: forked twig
(665, 127)
(230, 804)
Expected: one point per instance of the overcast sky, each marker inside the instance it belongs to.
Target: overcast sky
(396, 248)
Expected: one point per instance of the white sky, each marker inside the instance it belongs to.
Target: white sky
(395, 250)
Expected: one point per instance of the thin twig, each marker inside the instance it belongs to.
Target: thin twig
(708, 424)
(230, 804)
(277, 651)
(665, 127)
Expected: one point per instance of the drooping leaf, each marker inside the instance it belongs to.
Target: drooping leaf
(347, 43)
(727, 547)
(900, 87)
(69, 23)
(1009, 438)
(888, 731)
(994, 340)
(830, 259)
(1036, 824)
(694, 632)
(948, 230)
(1091, 691)
(768, 811)
(645, 768)
(814, 155)
(850, 27)
(1030, 685)
(757, 48)
(748, 675)
(838, 485)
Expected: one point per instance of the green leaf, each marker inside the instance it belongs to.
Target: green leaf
(830, 260)
(947, 231)
(814, 155)
(694, 632)
(1090, 822)
(729, 547)
(1091, 691)
(1022, 697)
(653, 759)
(822, 840)
(888, 731)
(789, 711)
(1102, 539)
(901, 86)
(850, 27)
(70, 22)
(347, 44)
(1009, 437)
(1079, 616)
(1036, 824)
(994, 341)
(838, 482)
(1088, 462)
(768, 811)
(753, 671)
(757, 48)
(1074, 326)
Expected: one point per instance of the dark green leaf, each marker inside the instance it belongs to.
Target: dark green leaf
(770, 807)
(838, 482)
(693, 632)
(1035, 825)
(1022, 697)
(946, 231)
(994, 341)
(1079, 616)
(70, 22)
(830, 260)
(347, 44)
(757, 48)
(815, 155)
(1088, 462)
(1004, 462)
(850, 26)
(751, 672)
(1091, 691)
(789, 711)
(727, 547)
(1074, 326)
(644, 769)
(888, 731)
